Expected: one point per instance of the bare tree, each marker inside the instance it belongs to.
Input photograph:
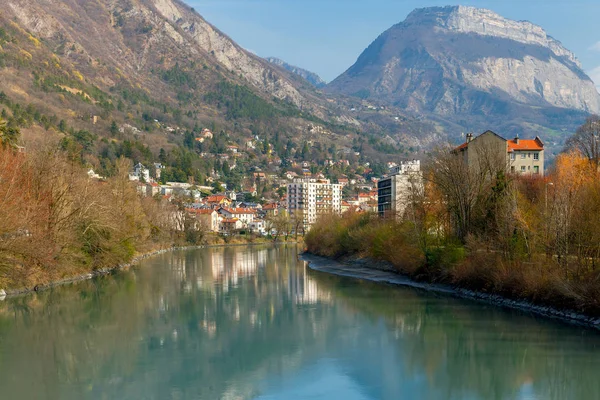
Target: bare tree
(467, 187)
(587, 139)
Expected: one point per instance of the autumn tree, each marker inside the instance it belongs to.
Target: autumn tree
(586, 140)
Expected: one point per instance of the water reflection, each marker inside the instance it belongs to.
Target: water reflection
(254, 322)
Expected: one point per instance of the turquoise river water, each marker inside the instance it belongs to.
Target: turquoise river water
(256, 323)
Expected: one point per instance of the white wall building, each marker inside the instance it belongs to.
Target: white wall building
(313, 197)
(395, 191)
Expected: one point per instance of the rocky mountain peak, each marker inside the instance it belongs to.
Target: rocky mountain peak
(460, 61)
(481, 21)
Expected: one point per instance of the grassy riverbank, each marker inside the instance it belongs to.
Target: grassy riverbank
(57, 223)
(471, 266)
(523, 237)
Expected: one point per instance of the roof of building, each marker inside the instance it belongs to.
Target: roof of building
(525, 144)
(216, 198)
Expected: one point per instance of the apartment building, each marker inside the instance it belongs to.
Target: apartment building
(308, 198)
(395, 191)
(522, 156)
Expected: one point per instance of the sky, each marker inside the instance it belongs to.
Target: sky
(327, 36)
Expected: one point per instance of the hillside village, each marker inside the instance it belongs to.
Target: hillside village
(288, 196)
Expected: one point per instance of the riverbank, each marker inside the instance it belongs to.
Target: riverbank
(7, 293)
(384, 272)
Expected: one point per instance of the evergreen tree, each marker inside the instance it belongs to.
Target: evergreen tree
(114, 128)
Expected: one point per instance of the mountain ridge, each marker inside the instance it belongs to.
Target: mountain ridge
(471, 67)
(311, 77)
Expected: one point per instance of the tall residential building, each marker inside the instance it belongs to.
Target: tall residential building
(395, 191)
(522, 156)
(308, 198)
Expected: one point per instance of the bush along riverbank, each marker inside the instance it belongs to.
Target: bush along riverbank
(526, 239)
(57, 223)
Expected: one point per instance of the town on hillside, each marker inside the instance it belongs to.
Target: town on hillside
(281, 201)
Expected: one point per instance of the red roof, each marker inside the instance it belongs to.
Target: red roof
(271, 206)
(216, 198)
(524, 144)
(462, 146)
(535, 144)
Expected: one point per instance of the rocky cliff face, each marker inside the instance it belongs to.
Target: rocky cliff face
(132, 35)
(465, 61)
(308, 76)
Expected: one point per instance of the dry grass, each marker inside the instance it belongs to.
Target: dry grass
(539, 280)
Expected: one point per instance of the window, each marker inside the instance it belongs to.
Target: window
(536, 156)
(512, 156)
(523, 155)
(512, 169)
(522, 168)
(536, 169)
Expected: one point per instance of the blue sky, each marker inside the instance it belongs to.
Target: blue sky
(326, 36)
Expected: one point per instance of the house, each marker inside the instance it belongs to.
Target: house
(231, 194)
(345, 206)
(140, 173)
(218, 200)
(205, 134)
(271, 209)
(229, 225)
(257, 226)
(207, 218)
(232, 148)
(521, 156)
(247, 204)
(93, 175)
(364, 198)
(152, 189)
(249, 191)
(244, 215)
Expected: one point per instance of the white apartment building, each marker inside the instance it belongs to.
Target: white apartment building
(395, 190)
(313, 197)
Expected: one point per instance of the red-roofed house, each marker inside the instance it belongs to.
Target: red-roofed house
(229, 225)
(244, 215)
(218, 199)
(525, 156)
(271, 209)
(206, 217)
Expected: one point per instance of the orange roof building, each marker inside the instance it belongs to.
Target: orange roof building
(523, 156)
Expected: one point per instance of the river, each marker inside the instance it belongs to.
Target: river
(256, 323)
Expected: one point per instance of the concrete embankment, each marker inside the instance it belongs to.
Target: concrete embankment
(381, 272)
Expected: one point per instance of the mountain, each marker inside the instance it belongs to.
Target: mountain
(470, 69)
(142, 79)
(311, 77)
(153, 65)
